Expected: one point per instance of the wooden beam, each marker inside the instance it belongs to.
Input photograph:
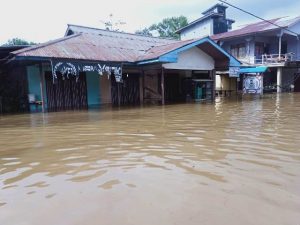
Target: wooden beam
(119, 94)
(42, 86)
(162, 83)
(142, 87)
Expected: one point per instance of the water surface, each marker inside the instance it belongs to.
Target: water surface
(233, 162)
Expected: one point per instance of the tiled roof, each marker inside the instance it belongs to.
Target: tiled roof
(262, 26)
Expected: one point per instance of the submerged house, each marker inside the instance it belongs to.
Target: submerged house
(89, 67)
(268, 48)
(271, 48)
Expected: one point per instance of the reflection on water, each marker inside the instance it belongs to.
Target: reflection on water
(232, 162)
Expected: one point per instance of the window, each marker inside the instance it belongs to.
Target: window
(259, 49)
(239, 50)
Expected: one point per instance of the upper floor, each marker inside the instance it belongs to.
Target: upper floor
(269, 43)
(213, 21)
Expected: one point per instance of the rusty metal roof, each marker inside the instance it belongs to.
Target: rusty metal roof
(103, 45)
(259, 27)
(157, 51)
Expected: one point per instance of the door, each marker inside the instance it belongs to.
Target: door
(66, 94)
(126, 92)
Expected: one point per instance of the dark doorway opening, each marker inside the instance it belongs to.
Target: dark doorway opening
(173, 92)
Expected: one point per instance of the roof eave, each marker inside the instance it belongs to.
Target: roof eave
(246, 34)
(45, 58)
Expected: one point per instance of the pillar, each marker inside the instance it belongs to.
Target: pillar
(279, 79)
(279, 47)
(213, 77)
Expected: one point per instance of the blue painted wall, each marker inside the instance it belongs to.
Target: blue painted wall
(33, 76)
(93, 89)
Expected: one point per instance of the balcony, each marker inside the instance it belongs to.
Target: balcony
(268, 59)
(276, 58)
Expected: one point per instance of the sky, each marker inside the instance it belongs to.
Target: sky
(40, 21)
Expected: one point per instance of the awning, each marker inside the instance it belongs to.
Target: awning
(259, 69)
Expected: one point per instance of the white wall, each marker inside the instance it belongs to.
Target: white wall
(202, 29)
(192, 59)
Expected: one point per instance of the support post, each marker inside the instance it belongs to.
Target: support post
(119, 94)
(42, 86)
(262, 84)
(279, 43)
(162, 83)
(142, 82)
(279, 79)
(279, 47)
(213, 74)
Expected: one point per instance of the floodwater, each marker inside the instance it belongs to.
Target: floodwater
(233, 162)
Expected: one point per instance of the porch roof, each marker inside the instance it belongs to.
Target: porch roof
(258, 69)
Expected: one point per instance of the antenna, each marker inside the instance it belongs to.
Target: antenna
(112, 25)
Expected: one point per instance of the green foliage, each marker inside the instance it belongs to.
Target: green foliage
(18, 41)
(166, 28)
(145, 32)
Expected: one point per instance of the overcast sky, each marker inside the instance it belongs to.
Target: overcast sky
(40, 20)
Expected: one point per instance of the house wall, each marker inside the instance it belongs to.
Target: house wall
(13, 89)
(224, 82)
(192, 59)
(204, 28)
(250, 48)
(34, 87)
(293, 45)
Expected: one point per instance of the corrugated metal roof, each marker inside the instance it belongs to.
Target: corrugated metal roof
(102, 45)
(262, 26)
(157, 51)
(96, 46)
(76, 29)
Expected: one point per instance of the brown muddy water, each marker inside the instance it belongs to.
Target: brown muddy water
(233, 162)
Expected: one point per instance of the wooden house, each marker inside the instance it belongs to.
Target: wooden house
(90, 67)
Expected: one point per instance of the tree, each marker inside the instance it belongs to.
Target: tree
(18, 41)
(145, 32)
(166, 28)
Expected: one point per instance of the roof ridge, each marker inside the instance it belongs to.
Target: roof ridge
(245, 26)
(121, 32)
(263, 21)
(107, 35)
(45, 44)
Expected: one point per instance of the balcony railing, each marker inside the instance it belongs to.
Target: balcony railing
(268, 59)
(275, 58)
